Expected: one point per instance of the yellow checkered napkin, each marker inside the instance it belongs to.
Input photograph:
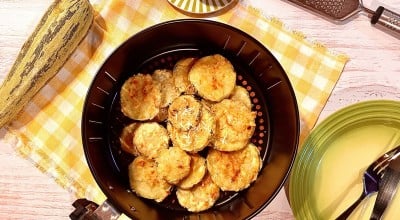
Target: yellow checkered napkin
(48, 130)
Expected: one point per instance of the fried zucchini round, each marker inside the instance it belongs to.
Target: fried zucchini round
(145, 181)
(140, 97)
(240, 94)
(197, 171)
(197, 138)
(184, 112)
(126, 139)
(213, 77)
(168, 89)
(201, 197)
(235, 124)
(234, 171)
(150, 138)
(180, 74)
(173, 164)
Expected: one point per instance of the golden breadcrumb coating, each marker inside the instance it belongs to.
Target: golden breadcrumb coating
(242, 95)
(213, 77)
(173, 164)
(126, 139)
(234, 171)
(168, 89)
(180, 74)
(140, 97)
(145, 181)
(196, 138)
(235, 124)
(150, 138)
(201, 197)
(184, 112)
(197, 171)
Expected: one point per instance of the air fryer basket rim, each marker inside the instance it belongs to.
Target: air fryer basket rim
(92, 136)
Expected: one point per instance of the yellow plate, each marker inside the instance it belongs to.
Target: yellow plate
(201, 7)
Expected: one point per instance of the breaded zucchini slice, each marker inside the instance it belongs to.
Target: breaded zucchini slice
(201, 197)
(180, 74)
(213, 77)
(196, 138)
(184, 112)
(140, 97)
(242, 95)
(168, 89)
(234, 171)
(173, 164)
(197, 171)
(235, 124)
(150, 138)
(145, 181)
(126, 139)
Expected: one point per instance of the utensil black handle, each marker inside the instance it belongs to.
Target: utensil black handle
(388, 19)
(88, 210)
(387, 189)
(350, 209)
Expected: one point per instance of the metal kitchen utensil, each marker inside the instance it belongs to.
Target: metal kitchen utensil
(387, 188)
(341, 10)
(371, 178)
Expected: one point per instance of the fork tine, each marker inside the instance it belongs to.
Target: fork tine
(383, 162)
(393, 156)
(380, 172)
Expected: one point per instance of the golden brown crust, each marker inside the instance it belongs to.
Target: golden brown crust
(213, 77)
(184, 112)
(140, 97)
(196, 138)
(197, 171)
(235, 125)
(126, 139)
(180, 75)
(168, 89)
(234, 171)
(201, 197)
(240, 94)
(150, 138)
(173, 164)
(145, 180)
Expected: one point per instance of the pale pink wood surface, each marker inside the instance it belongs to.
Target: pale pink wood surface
(373, 72)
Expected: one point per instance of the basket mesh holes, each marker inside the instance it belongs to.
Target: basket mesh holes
(259, 137)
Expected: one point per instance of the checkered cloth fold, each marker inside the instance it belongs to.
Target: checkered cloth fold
(48, 131)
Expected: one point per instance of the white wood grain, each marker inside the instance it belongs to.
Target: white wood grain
(373, 72)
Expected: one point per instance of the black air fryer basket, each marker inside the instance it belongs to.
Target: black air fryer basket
(161, 46)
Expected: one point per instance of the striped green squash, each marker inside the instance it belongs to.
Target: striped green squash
(60, 30)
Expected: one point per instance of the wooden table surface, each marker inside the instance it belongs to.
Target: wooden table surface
(373, 72)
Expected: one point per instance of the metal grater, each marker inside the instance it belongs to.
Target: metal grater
(340, 10)
(332, 9)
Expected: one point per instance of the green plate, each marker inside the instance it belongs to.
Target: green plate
(201, 7)
(327, 173)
